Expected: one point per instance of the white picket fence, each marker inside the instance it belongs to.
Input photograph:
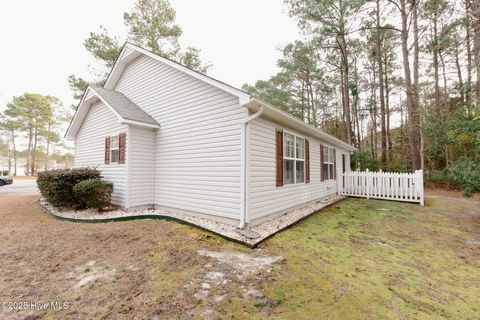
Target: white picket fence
(382, 185)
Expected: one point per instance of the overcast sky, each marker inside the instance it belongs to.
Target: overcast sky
(42, 41)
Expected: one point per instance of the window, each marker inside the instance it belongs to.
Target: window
(328, 163)
(114, 149)
(293, 159)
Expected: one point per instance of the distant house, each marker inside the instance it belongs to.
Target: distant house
(173, 138)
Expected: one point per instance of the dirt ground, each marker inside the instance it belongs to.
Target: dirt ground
(151, 269)
(145, 269)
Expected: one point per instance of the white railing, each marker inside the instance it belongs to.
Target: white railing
(382, 185)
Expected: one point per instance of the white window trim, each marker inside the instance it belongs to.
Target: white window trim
(327, 178)
(117, 148)
(294, 158)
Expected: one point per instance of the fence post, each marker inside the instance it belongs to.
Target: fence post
(368, 183)
(420, 185)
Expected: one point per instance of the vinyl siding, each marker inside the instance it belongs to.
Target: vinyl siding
(197, 150)
(99, 123)
(264, 197)
(141, 166)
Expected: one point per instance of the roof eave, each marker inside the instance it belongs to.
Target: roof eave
(286, 119)
(72, 129)
(139, 123)
(81, 113)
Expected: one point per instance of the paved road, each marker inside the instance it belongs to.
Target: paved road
(20, 187)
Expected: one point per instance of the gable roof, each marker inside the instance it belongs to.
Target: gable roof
(126, 111)
(124, 106)
(130, 52)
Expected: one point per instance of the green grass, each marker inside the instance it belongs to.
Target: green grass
(354, 261)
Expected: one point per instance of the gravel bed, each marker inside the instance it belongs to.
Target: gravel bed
(264, 230)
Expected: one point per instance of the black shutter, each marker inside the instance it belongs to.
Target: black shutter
(307, 161)
(107, 150)
(279, 156)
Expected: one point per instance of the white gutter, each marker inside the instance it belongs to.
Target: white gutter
(282, 117)
(243, 186)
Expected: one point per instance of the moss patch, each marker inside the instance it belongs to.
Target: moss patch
(369, 259)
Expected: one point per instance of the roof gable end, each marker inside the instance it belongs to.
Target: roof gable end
(130, 52)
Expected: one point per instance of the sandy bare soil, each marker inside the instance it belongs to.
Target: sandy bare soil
(120, 270)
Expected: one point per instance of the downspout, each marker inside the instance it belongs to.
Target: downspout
(243, 186)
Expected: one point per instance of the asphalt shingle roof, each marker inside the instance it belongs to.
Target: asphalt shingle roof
(124, 106)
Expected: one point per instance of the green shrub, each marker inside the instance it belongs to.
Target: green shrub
(440, 178)
(364, 160)
(94, 193)
(467, 174)
(56, 186)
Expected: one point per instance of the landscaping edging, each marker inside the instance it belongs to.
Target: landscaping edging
(264, 230)
(144, 217)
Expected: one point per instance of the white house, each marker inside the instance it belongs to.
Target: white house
(172, 138)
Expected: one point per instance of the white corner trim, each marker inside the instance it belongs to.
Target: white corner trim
(128, 159)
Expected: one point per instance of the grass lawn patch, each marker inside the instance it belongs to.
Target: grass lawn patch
(358, 259)
(371, 259)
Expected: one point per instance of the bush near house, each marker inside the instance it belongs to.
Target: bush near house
(56, 186)
(94, 193)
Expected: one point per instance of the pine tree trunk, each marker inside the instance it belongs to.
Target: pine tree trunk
(448, 157)
(422, 150)
(14, 154)
(468, 44)
(476, 42)
(345, 94)
(387, 109)
(381, 88)
(445, 88)
(357, 123)
(29, 149)
(314, 109)
(416, 56)
(459, 75)
(34, 152)
(373, 111)
(9, 160)
(413, 119)
(416, 81)
(48, 146)
(435, 68)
